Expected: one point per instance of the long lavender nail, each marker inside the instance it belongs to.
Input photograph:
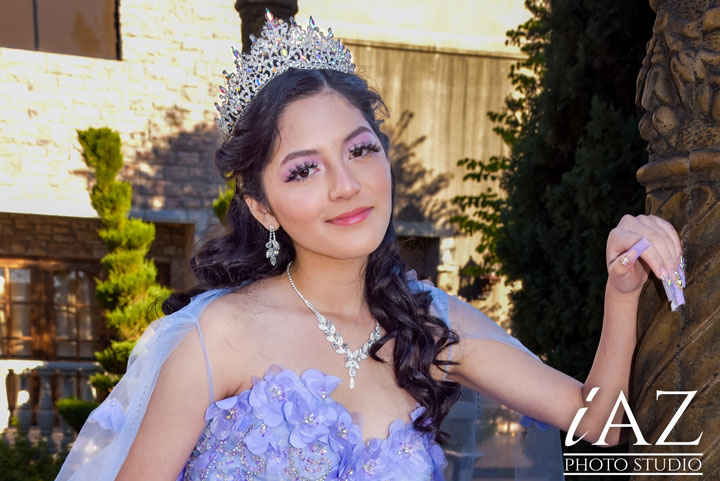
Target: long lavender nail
(681, 267)
(639, 247)
(678, 285)
(668, 285)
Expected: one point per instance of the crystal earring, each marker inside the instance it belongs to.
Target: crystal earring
(272, 245)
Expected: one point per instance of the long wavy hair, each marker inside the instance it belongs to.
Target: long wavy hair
(235, 255)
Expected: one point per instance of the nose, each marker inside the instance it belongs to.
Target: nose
(344, 185)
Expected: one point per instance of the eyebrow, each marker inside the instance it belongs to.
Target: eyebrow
(303, 153)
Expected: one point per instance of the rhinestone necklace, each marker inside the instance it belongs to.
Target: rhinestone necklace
(352, 358)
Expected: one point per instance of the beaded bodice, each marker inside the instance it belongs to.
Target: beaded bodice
(288, 427)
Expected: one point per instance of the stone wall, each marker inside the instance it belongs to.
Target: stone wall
(75, 240)
(159, 97)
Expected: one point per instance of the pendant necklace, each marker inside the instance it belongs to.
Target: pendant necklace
(352, 358)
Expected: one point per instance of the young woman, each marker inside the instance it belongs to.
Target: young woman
(249, 375)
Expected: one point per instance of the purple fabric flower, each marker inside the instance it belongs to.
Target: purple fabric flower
(289, 427)
(372, 462)
(310, 420)
(259, 439)
(228, 415)
(320, 384)
(344, 434)
(268, 396)
(406, 447)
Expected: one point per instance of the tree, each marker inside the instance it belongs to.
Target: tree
(481, 212)
(129, 291)
(571, 126)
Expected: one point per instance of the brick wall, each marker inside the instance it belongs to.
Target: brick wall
(75, 240)
(159, 97)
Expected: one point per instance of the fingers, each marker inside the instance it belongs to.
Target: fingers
(662, 255)
(655, 241)
(671, 239)
(635, 251)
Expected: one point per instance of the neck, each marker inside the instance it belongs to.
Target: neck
(333, 286)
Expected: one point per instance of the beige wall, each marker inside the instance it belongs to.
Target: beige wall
(159, 95)
(477, 25)
(447, 65)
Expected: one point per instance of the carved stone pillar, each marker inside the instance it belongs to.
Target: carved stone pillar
(252, 15)
(679, 87)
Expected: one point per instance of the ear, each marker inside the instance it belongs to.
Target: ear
(261, 212)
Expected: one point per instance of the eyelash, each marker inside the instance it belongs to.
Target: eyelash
(367, 146)
(295, 170)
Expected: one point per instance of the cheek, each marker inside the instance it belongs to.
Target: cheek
(380, 180)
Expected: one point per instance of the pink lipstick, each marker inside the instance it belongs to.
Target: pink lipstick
(352, 217)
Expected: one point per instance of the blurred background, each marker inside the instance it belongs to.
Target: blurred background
(465, 83)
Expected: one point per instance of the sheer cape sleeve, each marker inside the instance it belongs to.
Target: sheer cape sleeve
(104, 441)
(487, 439)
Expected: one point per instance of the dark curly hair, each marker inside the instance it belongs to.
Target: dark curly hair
(236, 255)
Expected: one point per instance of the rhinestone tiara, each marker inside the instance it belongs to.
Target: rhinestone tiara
(281, 46)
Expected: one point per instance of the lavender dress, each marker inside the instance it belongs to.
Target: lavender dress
(286, 427)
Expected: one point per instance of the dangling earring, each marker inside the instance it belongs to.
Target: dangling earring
(272, 245)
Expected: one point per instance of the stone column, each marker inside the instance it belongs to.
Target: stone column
(679, 87)
(252, 15)
(45, 409)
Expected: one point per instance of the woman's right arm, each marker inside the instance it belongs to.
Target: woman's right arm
(174, 418)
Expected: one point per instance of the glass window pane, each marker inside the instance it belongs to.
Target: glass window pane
(86, 291)
(3, 281)
(72, 288)
(65, 349)
(3, 330)
(87, 350)
(20, 320)
(20, 284)
(60, 288)
(85, 324)
(19, 348)
(16, 24)
(63, 327)
(79, 27)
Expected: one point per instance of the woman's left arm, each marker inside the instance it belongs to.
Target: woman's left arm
(520, 381)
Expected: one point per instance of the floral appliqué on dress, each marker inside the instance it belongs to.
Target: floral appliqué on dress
(288, 427)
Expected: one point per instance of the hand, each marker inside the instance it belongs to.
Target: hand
(659, 252)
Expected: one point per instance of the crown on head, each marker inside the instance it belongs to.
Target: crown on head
(281, 46)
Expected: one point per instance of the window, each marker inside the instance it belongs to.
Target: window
(48, 310)
(76, 314)
(77, 27)
(15, 312)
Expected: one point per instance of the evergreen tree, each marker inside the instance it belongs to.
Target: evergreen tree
(570, 175)
(222, 203)
(129, 291)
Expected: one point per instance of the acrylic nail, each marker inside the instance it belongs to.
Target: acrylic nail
(678, 289)
(679, 297)
(634, 252)
(681, 270)
(668, 285)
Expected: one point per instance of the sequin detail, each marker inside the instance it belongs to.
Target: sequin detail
(288, 427)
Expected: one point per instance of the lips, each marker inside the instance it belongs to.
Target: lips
(352, 216)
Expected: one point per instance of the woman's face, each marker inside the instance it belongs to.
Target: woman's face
(328, 181)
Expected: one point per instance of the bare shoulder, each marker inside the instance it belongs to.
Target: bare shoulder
(465, 318)
(232, 326)
(239, 309)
